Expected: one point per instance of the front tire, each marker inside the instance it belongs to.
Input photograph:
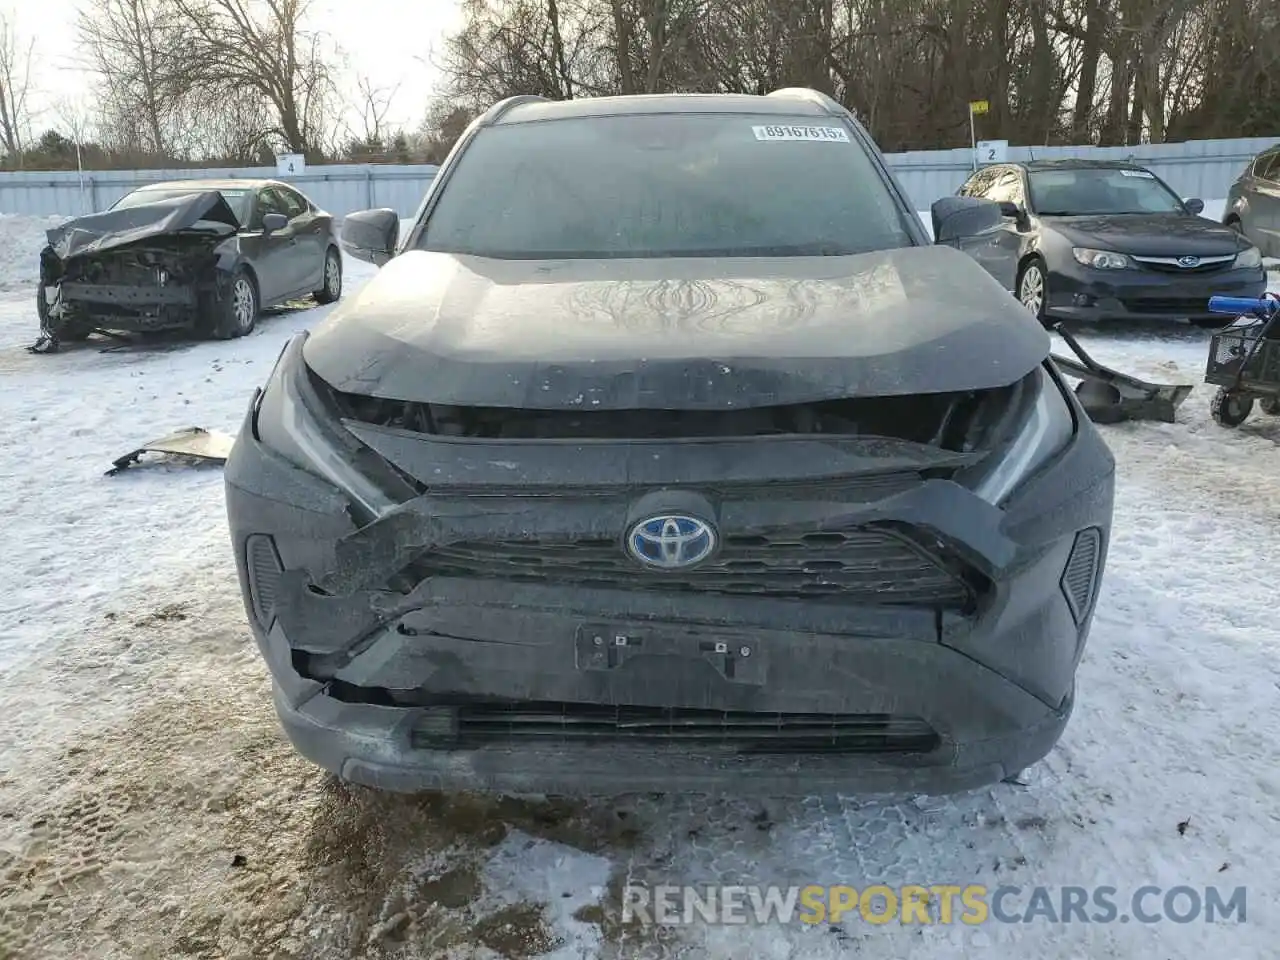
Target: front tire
(1033, 287)
(331, 291)
(236, 314)
(1230, 409)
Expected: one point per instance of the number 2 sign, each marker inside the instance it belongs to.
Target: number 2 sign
(992, 151)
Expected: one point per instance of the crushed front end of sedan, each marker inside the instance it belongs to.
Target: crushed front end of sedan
(140, 269)
(857, 551)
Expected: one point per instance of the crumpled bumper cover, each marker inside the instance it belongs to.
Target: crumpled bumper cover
(356, 664)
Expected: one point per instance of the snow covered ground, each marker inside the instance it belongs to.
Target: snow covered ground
(149, 806)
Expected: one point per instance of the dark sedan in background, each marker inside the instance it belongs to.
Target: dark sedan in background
(203, 254)
(1097, 240)
(1253, 202)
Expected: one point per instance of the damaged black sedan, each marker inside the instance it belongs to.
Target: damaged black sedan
(202, 255)
(666, 453)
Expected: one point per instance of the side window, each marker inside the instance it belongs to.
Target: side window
(294, 204)
(268, 202)
(1267, 166)
(1008, 187)
(979, 183)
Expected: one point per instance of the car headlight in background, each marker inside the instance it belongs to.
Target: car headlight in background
(1047, 429)
(1101, 259)
(1249, 259)
(289, 421)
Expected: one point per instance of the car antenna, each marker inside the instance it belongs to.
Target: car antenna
(1031, 153)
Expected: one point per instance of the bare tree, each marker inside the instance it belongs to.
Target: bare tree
(373, 104)
(15, 86)
(262, 46)
(137, 48)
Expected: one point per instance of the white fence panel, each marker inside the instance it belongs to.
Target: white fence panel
(1198, 168)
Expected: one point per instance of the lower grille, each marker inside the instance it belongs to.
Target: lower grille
(490, 724)
(874, 567)
(1190, 306)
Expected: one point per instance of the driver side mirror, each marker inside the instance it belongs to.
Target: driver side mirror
(272, 222)
(955, 218)
(371, 235)
(1195, 206)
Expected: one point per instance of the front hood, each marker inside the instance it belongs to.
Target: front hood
(703, 333)
(100, 232)
(1150, 234)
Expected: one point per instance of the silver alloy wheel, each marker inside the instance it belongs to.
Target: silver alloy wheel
(332, 275)
(242, 303)
(1031, 290)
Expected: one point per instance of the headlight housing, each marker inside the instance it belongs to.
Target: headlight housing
(1101, 259)
(1249, 259)
(1045, 431)
(288, 418)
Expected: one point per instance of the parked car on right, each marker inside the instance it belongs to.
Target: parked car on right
(1253, 202)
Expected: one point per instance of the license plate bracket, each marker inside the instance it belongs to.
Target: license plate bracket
(600, 646)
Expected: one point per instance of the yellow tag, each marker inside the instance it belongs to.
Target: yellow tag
(977, 107)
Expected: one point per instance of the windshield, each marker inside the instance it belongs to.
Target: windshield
(238, 200)
(1100, 190)
(684, 185)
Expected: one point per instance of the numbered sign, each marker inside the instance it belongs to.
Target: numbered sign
(290, 164)
(992, 151)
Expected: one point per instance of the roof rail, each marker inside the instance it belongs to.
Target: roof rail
(827, 103)
(493, 114)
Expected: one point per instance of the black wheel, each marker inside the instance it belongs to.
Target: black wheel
(1230, 409)
(332, 289)
(1033, 287)
(69, 332)
(236, 314)
(1270, 405)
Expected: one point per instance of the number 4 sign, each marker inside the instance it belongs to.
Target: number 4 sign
(290, 164)
(992, 151)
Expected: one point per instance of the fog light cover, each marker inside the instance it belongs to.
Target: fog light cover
(1080, 578)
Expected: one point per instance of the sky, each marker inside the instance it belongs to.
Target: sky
(389, 41)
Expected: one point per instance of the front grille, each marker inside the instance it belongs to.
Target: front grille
(868, 566)
(487, 724)
(1188, 306)
(1212, 266)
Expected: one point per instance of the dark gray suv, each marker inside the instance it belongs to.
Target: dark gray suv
(1253, 202)
(666, 452)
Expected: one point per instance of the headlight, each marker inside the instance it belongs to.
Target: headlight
(1047, 429)
(1249, 259)
(286, 423)
(1101, 259)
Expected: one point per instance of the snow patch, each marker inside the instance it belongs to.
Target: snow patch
(564, 880)
(21, 239)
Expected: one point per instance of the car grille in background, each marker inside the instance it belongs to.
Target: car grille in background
(1186, 306)
(862, 565)
(1079, 579)
(490, 724)
(1171, 265)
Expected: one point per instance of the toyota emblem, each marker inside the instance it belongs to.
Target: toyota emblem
(671, 542)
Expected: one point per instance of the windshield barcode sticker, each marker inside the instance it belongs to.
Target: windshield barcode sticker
(1138, 173)
(818, 134)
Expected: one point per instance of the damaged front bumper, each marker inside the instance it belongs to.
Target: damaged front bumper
(481, 670)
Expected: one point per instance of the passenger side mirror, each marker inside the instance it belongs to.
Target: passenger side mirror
(272, 222)
(1195, 206)
(371, 235)
(955, 218)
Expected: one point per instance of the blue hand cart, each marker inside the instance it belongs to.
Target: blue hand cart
(1244, 359)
